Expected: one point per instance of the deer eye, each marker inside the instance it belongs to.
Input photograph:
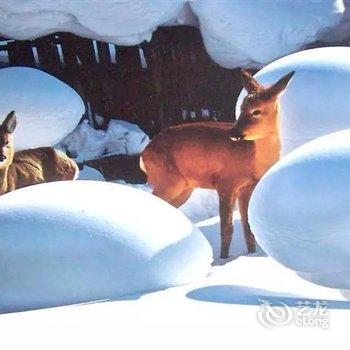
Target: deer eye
(256, 112)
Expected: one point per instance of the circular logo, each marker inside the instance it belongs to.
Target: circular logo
(274, 316)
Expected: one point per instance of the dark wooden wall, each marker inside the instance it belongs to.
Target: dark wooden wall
(164, 82)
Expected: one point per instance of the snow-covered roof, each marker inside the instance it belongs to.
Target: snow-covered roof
(236, 33)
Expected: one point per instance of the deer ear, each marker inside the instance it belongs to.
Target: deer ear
(248, 82)
(10, 123)
(280, 86)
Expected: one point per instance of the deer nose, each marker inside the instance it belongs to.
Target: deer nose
(2, 157)
(236, 134)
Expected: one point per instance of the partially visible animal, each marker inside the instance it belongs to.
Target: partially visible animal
(227, 157)
(118, 167)
(32, 166)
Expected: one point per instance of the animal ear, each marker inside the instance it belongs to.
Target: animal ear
(280, 86)
(248, 82)
(10, 123)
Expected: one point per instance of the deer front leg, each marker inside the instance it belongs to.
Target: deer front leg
(243, 202)
(226, 201)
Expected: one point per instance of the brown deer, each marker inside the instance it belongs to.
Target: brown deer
(227, 157)
(31, 166)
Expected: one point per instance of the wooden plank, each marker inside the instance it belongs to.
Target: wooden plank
(128, 59)
(85, 50)
(179, 76)
(12, 53)
(103, 52)
(48, 54)
(69, 49)
(169, 78)
(157, 102)
(20, 53)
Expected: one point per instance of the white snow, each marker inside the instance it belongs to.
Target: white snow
(300, 210)
(125, 138)
(316, 101)
(70, 242)
(47, 109)
(255, 33)
(202, 208)
(88, 173)
(184, 17)
(200, 313)
(84, 142)
(211, 229)
(119, 22)
(121, 137)
(236, 33)
(339, 33)
(203, 204)
(217, 312)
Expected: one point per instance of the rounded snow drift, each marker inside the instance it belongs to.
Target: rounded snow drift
(300, 210)
(47, 108)
(127, 22)
(243, 34)
(317, 100)
(72, 242)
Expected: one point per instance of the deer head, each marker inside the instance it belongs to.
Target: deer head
(7, 128)
(259, 109)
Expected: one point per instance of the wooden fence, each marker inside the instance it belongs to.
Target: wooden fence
(166, 81)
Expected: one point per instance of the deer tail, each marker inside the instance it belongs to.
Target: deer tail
(142, 165)
(76, 173)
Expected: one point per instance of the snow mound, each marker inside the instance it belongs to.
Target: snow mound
(84, 142)
(71, 242)
(47, 109)
(339, 33)
(125, 138)
(317, 100)
(300, 210)
(120, 22)
(121, 137)
(236, 33)
(242, 34)
(185, 17)
(202, 204)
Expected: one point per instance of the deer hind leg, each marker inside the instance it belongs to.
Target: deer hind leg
(226, 202)
(243, 202)
(174, 191)
(182, 198)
